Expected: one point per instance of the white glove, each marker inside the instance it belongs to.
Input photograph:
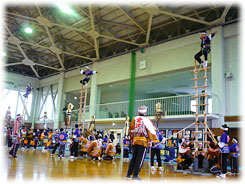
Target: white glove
(164, 140)
(221, 144)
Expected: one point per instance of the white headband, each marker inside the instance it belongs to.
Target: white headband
(225, 129)
(234, 140)
(142, 111)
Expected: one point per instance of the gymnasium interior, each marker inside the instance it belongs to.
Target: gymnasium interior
(139, 55)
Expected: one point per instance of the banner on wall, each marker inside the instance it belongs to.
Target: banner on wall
(180, 135)
(175, 134)
(169, 133)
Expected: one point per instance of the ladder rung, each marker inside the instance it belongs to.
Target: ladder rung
(202, 69)
(200, 78)
(200, 104)
(200, 151)
(202, 141)
(199, 96)
(201, 114)
(200, 123)
(199, 87)
(199, 132)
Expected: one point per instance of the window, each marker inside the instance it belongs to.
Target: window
(10, 98)
(48, 104)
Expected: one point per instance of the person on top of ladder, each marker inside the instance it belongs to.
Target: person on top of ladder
(28, 90)
(87, 73)
(205, 48)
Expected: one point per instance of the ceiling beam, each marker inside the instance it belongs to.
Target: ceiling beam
(13, 64)
(50, 38)
(183, 17)
(138, 33)
(46, 66)
(126, 12)
(68, 53)
(168, 10)
(149, 28)
(72, 28)
(75, 32)
(93, 29)
(117, 24)
(226, 10)
(23, 53)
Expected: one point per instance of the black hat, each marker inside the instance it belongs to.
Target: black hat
(225, 127)
(203, 32)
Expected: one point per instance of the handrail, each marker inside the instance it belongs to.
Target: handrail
(171, 106)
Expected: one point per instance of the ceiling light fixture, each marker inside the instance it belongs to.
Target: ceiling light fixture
(28, 30)
(65, 9)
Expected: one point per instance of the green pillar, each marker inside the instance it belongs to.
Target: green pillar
(132, 86)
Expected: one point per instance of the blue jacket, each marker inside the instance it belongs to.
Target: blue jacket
(207, 41)
(126, 143)
(77, 134)
(234, 150)
(45, 135)
(225, 139)
(63, 137)
(28, 89)
(56, 138)
(159, 139)
(88, 73)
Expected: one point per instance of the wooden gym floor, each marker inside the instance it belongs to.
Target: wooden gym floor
(36, 165)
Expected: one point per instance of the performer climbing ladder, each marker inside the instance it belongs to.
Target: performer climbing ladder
(82, 109)
(83, 97)
(200, 104)
(201, 99)
(28, 91)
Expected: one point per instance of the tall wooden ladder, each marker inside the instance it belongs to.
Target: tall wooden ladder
(201, 103)
(82, 110)
(24, 110)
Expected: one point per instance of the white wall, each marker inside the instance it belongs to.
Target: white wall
(232, 46)
(19, 81)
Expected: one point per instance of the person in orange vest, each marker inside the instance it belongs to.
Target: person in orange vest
(50, 136)
(94, 150)
(85, 143)
(29, 138)
(36, 135)
(142, 133)
(41, 138)
(45, 140)
(23, 137)
(110, 152)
